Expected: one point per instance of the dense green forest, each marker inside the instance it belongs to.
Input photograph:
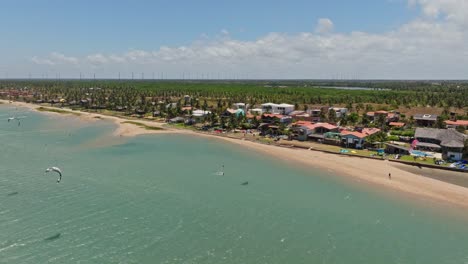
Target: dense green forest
(300, 92)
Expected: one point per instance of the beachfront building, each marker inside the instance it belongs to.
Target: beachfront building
(352, 139)
(425, 120)
(305, 130)
(320, 129)
(283, 109)
(447, 141)
(457, 123)
(301, 130)
(177, 120)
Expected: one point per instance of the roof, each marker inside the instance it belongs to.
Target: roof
(239, 104)
(370, 131)
(273, 115)
(177, 119)
(457, 123)
(425, 117)
(232, 111)
(397, 124)
(397, 146)
(370, 113)
(381, 112)
(346, 133)
(326, 126)
(269, 104)
(293, 113)
(200, 113)
(312, 126)
(319, 136)
(429, 145)
(448, 137)
(286, 105)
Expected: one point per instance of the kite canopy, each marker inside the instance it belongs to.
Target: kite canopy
(57, 170)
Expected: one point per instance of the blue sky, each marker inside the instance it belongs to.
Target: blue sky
(33, 30)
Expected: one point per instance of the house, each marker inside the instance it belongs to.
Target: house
(304, 130)
(340, 111)
(242, 106)
(320, 129)
(177, 120)
(283, 109)
(186, 109)
(171, 105)
(257, 111)
(457, 123)
(229, 112)
(271, 118)
(397, 124)
(370, 131)
(447, 141)
(396, 149)
(300, 115)
(352, 139)
(200, 113)
(316, 112)
(425, 120)
(187, 99)
(388, 116)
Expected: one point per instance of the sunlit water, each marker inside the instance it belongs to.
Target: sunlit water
(157, 199)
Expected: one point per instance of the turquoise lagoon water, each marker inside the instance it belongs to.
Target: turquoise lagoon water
(156, 199)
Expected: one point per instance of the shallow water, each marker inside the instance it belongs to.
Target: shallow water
(157, 199)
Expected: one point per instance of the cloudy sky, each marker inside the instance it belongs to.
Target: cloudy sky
(366, 39)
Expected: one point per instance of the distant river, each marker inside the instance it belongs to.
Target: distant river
(157, 199)
(354, 88)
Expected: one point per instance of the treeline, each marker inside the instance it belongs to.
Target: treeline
(394, 93)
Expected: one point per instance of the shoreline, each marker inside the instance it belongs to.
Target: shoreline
(374, 172)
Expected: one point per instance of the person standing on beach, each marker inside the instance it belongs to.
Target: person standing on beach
(389, 176)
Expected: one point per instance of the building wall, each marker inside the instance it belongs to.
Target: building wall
(454, 155)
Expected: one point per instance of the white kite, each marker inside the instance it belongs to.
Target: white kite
(57, 170)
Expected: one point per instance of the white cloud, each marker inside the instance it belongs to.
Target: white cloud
(39, 61)
(431, 46)
(55, 58)
(97, 59)
(324, 25)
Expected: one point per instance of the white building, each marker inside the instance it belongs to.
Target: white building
(340, 111)
(283, 109)
(242, 106)
(257, 111)
(200, 113)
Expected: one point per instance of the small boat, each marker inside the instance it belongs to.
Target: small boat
(245, 183)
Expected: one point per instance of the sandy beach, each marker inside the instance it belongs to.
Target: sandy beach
(404, 178)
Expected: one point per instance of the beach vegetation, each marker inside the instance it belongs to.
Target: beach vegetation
(58, 111)
(143, 125)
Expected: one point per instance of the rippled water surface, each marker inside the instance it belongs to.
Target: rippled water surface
(157, 199)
